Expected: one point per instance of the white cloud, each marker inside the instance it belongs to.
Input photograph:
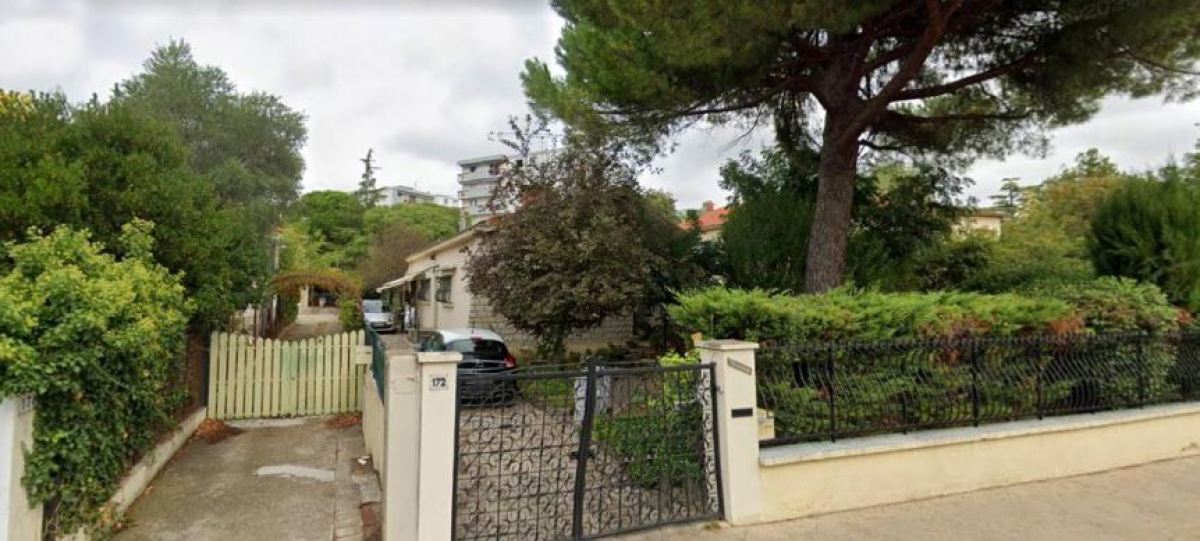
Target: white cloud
(39, 49)
(425, 85)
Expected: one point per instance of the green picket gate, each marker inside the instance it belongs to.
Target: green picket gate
(252, 377)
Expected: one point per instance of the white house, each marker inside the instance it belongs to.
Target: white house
(436, 285)
(985, 220)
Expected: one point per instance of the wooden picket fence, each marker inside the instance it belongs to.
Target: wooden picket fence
(251, 377)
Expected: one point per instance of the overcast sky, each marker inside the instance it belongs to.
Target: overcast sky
(425, 86)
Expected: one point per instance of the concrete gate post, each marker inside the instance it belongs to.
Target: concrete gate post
(419, 484)
(19, 519)
(401, 447)
(737, 427)
(439, 387)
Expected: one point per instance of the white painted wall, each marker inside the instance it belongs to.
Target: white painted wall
(816, 478)
(373, 422)
(18, 520)
(432, 313)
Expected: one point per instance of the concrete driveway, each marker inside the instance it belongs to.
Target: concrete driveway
(1156, 501)
(281, 479)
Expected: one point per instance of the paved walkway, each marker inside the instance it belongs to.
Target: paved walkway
(283, 479)
(312, 322)
(1159, 501)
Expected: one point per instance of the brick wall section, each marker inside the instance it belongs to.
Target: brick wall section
(614, 330)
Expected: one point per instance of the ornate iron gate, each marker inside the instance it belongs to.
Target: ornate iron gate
(580, 452)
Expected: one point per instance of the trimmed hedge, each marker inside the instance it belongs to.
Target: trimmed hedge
(874, 380)
(844, 314)
(1115, 304)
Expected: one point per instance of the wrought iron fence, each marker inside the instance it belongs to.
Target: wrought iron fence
(821, 391)
(577, 452)
(378, 360)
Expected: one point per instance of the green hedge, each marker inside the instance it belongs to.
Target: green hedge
(863, 315)
(881, 388)
(1115, 304)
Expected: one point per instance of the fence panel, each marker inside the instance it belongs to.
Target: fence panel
(254, 377)
(580, 452)
(833, 390)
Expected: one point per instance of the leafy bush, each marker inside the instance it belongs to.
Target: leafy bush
(659, 434)
(949, 264)
(99, 341)
(1115, 304)
(349, 314)
(1018, 261)
(655, 446)
(1147, 230)
(862, 315)
(1044, 240)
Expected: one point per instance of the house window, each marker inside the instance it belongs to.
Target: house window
(443, 288)
(423, 290)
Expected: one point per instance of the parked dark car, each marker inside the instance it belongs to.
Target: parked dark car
(484, 354)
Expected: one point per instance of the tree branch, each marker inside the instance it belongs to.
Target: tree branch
(802, 86)
(986, 75)
(957, 117)
(881, 148)
(939, 16)
(887, 57)
(696, 110)
(1156, 64)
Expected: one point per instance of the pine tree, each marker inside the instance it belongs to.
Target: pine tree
(1009, 197)
(368, 194)
(960, 78)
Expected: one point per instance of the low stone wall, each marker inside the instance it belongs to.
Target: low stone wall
(142, 473)
(816, 478)
(373, 422)
(613, 331)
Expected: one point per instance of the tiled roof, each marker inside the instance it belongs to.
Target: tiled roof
(711, 217)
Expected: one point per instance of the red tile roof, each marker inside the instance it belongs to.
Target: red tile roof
(711, 217)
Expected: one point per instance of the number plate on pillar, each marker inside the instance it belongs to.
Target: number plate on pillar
(742, 412)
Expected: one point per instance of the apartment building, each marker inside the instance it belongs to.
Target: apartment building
(400, 194)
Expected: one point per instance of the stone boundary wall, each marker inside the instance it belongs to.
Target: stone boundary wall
(823, 477)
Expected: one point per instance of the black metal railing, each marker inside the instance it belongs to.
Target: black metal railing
(378, 360)
(835, 390)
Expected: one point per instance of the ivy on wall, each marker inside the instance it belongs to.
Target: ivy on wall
(99, 339)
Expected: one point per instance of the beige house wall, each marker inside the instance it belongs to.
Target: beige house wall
(431, 313)
(816, 478)
(465, 310)
(613, 331)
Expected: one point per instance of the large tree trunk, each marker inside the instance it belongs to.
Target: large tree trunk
(825, 267)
